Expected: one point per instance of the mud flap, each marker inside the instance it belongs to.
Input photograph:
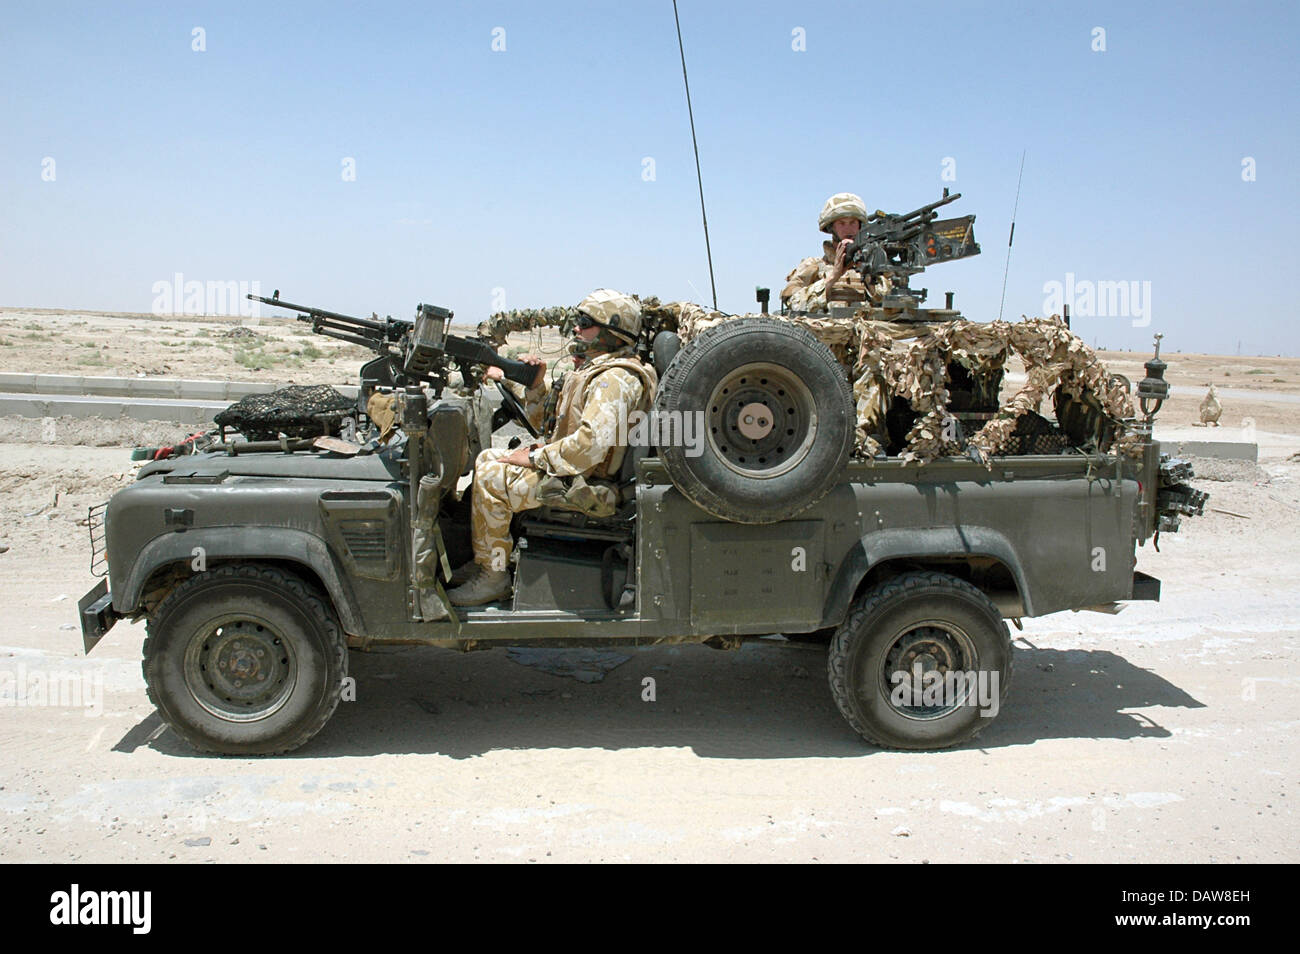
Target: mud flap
(97, 615)
(1145, 587)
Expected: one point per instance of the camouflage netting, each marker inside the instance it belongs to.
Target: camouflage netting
(912, 361)
(497, 326)
(296, 411)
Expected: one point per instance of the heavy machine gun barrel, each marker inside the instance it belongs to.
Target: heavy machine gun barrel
(324, 322)
(415, 350)
(914, 220)
(898, 246)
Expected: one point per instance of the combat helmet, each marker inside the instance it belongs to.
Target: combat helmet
(842, 205)
(619, 313)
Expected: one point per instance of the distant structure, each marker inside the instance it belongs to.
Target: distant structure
(1211, 409)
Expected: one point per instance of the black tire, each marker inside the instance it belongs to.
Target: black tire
(276, 629)
(797, 441)
(941, 622)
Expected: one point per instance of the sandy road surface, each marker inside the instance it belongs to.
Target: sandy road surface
(1163, 734)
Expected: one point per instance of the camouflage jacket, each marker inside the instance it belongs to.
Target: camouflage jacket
(594, 404)
(806, 288)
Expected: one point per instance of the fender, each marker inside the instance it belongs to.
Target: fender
(876, 548)
(248, 543)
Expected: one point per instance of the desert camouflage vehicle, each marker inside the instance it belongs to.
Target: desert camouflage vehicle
(259, 564)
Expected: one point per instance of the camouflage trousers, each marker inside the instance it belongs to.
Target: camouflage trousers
(500, 491)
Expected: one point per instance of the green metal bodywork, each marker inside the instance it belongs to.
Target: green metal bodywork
(1040, 534)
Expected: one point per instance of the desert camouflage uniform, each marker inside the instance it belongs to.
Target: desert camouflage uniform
(806, 288)
(595, 399)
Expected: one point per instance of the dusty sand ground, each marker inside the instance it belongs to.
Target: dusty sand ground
(274, 347)
(1165, 733)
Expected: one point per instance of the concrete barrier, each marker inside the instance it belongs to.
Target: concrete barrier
(198, 413)
(177, 389)
(1222, 450)
(1227, 443)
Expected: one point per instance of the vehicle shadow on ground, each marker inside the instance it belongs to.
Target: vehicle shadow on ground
(767, 700)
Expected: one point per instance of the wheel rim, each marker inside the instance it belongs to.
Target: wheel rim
(762, 420)
(240, 668)
(935, 646)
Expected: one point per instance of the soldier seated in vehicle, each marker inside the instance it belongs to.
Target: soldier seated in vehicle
(608, 384)
(818, 280)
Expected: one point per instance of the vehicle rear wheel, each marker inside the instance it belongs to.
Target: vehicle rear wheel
(922, 661)
(777, 415)
(244, 660)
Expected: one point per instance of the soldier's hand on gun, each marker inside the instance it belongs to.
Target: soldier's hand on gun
(496, 374)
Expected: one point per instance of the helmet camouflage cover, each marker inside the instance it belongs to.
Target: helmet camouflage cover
(620, 313)
(842, 205)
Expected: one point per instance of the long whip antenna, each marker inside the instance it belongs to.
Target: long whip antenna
(698, 177)
(1010, 238)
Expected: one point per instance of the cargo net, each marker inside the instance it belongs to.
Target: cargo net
(296, 411)
(928, 390)
(924, 390)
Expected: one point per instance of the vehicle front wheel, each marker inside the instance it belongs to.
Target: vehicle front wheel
(922, 661)
(245, 660)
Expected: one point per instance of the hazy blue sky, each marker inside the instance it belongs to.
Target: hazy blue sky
(525, 170)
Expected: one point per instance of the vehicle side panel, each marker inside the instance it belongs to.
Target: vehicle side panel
(1063, 530)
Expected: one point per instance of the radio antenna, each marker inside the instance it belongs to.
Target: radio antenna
(1011, 238)
(698, 178)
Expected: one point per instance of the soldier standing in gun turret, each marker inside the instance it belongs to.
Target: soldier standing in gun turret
(609, 383)
(842, 217)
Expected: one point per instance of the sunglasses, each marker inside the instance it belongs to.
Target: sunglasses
(583, 322)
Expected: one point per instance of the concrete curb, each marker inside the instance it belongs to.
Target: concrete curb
(198, 413)
(1191, 442)
(167, 388)
(1221, 450)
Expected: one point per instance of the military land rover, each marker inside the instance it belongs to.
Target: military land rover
(867, 489)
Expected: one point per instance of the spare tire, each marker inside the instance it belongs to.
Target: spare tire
(777, 415)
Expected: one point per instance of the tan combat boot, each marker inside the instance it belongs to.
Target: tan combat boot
(483, 586)
(462, 573)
